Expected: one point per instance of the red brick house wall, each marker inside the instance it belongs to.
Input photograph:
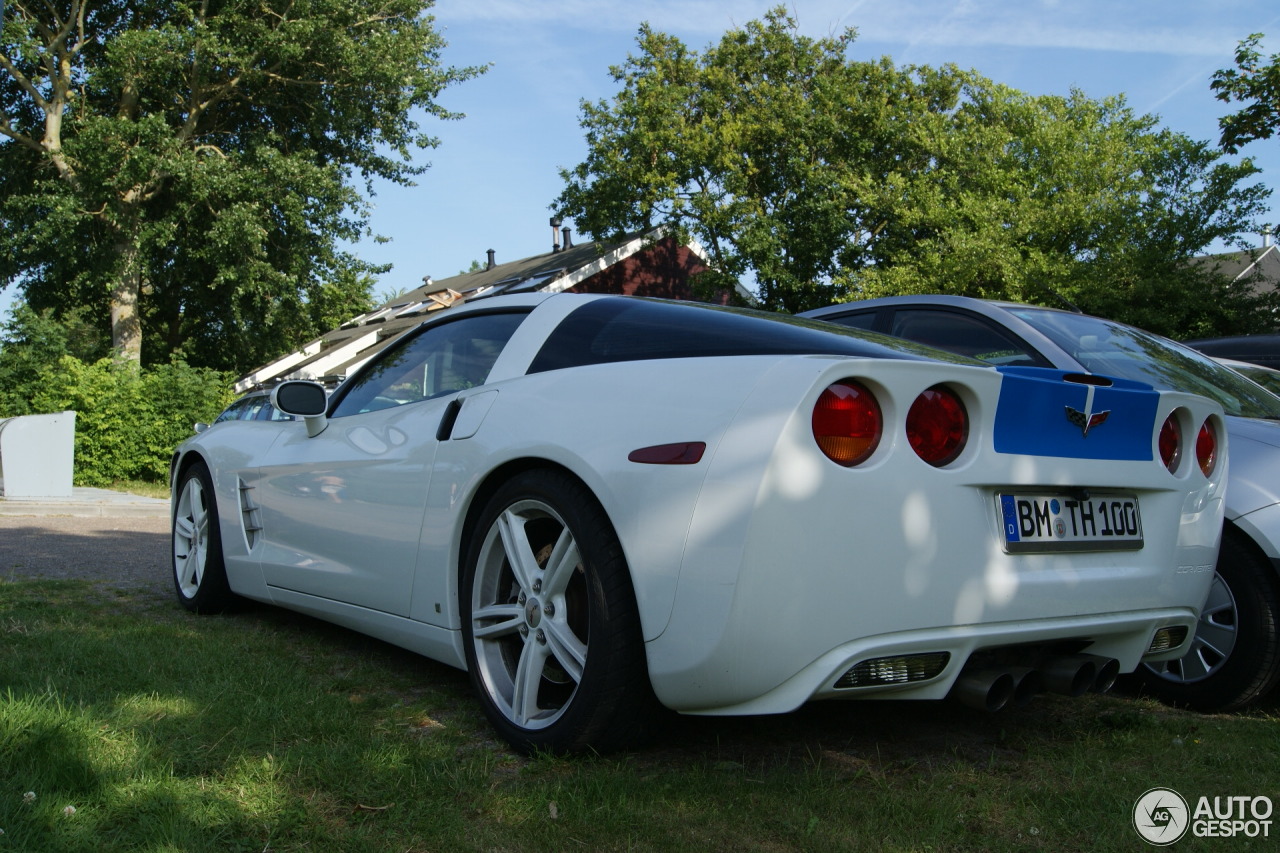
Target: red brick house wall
(663, 270)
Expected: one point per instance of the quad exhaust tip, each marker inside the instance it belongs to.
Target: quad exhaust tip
(994, 688)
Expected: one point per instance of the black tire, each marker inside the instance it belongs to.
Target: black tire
(549, 620)
(199, 574)
(1235, 654)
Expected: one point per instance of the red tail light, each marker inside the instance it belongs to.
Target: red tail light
(1207, 448)
(1170, 442)
(938, 426)
(847, 423)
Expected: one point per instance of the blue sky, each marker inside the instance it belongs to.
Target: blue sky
(495, 171)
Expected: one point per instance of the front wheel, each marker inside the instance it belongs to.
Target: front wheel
(199, 575)
(1235, 654)
(552, 633)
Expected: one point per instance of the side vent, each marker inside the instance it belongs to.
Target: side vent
(250, 515)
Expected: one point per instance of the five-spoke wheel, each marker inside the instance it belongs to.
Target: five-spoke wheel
(199, 575)
(552, 633)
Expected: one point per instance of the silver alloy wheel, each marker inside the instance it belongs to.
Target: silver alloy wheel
(190, 537)
(529, 614)
(1213, 643)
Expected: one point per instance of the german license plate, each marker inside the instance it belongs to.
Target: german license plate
(1063, 523)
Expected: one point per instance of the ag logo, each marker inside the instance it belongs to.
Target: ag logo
(1161, 816)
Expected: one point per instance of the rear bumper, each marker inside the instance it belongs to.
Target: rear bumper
(1124, 637)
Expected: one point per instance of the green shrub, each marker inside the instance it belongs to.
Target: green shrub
(127, 420)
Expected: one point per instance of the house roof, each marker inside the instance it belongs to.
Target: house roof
(1260, 265)
(336, 354)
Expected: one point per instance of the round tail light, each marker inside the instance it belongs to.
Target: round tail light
(938, 426)
(847, 423)
(1207, 448)
(1170, 442)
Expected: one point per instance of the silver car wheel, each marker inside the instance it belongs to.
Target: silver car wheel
(190, 537)
(199, 574)
(530, 622)
(1213, 643)
(1234, 657)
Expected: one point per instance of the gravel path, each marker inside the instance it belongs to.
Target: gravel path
(131, 552)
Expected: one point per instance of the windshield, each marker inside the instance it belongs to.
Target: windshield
(1114, 349)
(1264, 376)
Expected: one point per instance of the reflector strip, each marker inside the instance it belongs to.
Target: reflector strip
(680, 453)
(902, 669)
(1167, 638)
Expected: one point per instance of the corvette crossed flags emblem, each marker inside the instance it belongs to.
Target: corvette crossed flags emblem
(1088, 419)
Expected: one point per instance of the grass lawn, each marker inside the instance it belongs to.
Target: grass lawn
(137, 727)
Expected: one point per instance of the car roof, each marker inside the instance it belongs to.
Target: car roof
(973, 303)
(1000, 311)
(1261, 350)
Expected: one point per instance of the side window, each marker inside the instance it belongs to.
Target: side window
(271, 413)
(254, 410)
(440, 360)
(864, 320)
(963, 334)
(235, 411)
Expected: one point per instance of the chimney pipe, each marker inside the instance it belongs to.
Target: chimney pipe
(555, 245)
(567, 242)
(1266, 236)
(492, 262)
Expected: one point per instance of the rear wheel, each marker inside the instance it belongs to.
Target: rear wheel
(552, 633)
(199, 575)
(1235, 655)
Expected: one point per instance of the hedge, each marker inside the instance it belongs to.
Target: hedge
(128, 420)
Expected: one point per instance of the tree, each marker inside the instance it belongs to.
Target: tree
(190, 168)
(826, 179)
(771, 150)
(1255, 85)
(1069, 200)
(31, 342)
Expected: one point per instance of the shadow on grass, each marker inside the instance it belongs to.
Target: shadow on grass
(368, 672)
(268, 729)
(853, 738)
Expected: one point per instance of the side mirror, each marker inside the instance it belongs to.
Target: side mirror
(306, 400)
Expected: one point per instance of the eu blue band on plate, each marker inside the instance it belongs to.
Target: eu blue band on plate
(1040, 414)
(1009, 512)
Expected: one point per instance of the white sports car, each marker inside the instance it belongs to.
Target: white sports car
(593, 502)
(1234, 659)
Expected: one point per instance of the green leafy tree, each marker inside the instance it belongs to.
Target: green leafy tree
(1070, 201)
(771, 150)
(190, 168)
(1257, 86)
(32, 341)
(826, 179)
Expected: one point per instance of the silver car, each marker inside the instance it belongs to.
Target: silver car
(1235, 658)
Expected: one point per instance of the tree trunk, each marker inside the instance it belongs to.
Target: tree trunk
(126, 325)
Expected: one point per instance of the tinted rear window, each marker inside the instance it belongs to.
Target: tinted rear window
(622, 329)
